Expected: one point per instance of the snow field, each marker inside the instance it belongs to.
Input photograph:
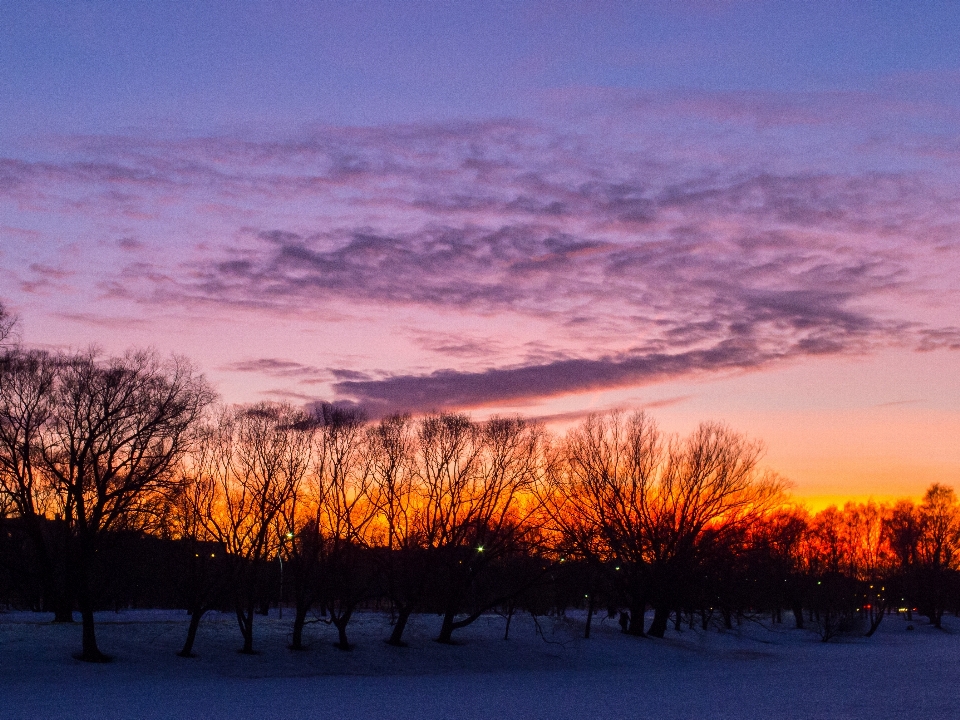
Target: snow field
(754, 671)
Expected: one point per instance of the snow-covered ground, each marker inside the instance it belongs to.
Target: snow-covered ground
(754, 671)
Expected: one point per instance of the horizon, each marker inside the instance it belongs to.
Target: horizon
(734, 212)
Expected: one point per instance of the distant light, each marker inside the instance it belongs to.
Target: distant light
(289, 536)
(480, 548)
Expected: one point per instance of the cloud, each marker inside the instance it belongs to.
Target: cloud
(897, 403)
(659, 238)
(575, 415)
(453, 389)
(938, 338)
(104, 321)
(129, 244)
(276, 367)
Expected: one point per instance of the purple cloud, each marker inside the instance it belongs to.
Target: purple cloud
(748, 348)
(275, 367)
(698, 233)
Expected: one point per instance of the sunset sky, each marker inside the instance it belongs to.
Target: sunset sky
(744, 212)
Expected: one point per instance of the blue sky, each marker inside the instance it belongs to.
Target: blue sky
(198, 67)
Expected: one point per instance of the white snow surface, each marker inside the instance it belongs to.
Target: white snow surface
(757, 670)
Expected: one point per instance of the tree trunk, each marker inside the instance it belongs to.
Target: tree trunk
(195, 616)
(875, 620)
(661, 615)
(446, 628)
(403, 614)
(58, 589)
(506, 632)
(55, 569)
(450, 623)
(90, 652)
(299, 621)
(245, 620)
(637, 612)
(797, 609)
(341, 625)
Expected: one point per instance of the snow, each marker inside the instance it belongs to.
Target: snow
(755, 671)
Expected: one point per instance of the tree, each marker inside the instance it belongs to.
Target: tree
(707, 492)
(7, 324)
(596, 498)
(344, 516)
(903, 529)
(660, 507)
(390, 447)
(27, 382)
(205, 581)
(260, 456)
(116, 430)
(850, 561)
(870, 558)
(778, 538)
(474, 479)
(938, 550)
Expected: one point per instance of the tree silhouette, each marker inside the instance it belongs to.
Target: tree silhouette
(116, 431)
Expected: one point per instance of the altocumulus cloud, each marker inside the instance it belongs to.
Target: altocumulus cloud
(655, 248)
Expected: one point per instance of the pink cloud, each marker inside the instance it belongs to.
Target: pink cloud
(654, 237)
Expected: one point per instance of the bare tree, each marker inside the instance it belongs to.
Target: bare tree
(651, 510)
(344, 517)
(27, 381)
(779, 538)
(473, 478)
(117, 428)
(834, 598)
(260, 458)
(206, 579)
(297, 532)
(7, 324)
(939, 546)
(708, 490)
(597, 496)
(869, 557)
(390, 447)
(904, 530)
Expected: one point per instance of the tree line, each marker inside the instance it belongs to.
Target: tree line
(122, 483)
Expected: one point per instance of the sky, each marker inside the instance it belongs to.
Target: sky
(744, 212)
